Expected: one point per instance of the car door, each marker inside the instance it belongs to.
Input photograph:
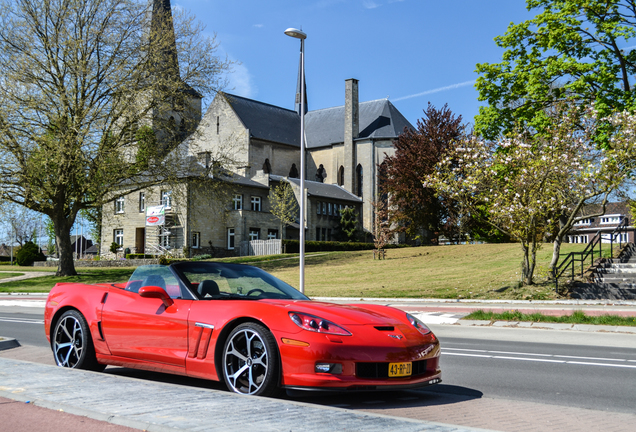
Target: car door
(145, 328)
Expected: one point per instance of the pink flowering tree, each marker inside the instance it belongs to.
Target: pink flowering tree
(533, 187)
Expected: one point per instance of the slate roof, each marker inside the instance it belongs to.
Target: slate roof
(379, 119)
(265, 121)
(612, 208)
(322, 190)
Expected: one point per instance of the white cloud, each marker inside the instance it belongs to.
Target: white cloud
(370, 4)
(437, 90)
(241, 82)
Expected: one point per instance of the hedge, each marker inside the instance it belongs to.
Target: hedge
(292, 246)
(139, 256)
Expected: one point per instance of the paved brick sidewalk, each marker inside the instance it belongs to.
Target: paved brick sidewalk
(511, 416)
(157, 406)
(18, 416)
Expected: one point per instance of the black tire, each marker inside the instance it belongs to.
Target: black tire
(251, 362)
(72, 343)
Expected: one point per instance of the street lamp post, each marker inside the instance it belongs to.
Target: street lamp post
(298, 34)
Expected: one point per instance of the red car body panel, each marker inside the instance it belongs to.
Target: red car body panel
(188, 337)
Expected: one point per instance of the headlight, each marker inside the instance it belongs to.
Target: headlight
(316, 324)
(418, 324)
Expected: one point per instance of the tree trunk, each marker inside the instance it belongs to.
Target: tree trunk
(527, 266)
(66, 266)
(556, 251)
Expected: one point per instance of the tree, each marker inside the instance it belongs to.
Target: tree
(23, 224)
(29, 253)
(383, 228)
(348, 224)
(416, 153)
(283, 205)
(78, 79)
(570, 51)
(533, 186)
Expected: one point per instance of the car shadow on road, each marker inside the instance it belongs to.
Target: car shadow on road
(440, 394)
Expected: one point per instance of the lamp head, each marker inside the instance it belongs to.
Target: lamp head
(295, 33)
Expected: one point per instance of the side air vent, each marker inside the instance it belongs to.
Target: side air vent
(385, 328)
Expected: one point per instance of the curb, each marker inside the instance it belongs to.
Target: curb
(8, 343)
(547, 326)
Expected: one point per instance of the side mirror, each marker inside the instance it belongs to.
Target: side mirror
(156, 292)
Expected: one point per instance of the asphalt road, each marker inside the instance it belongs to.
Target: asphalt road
(585, 370)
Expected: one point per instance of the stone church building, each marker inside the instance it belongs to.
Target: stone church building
(344, 145)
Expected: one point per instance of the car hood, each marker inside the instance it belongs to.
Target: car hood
(341, 314)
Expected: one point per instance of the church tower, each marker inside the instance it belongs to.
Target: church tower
(177, 110)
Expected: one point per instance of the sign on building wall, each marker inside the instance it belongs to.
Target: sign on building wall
(155, 216)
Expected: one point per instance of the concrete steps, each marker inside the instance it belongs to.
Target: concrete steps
(614, 280)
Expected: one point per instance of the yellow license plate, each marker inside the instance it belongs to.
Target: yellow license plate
(400, 369)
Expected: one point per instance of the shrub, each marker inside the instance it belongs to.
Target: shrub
(114, 247)
(28, 254)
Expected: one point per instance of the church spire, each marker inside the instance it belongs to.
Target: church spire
(162, 38)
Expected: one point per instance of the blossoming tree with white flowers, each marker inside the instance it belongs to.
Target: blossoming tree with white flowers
(533, 187)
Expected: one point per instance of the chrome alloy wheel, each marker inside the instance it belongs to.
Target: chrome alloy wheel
(246, 361)
(68, 344)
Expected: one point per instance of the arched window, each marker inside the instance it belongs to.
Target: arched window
(359, 180)
(267, 167)
(321, 174)
(341, 176)
(293, 172)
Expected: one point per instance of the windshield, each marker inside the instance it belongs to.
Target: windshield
(155, 275)
(220, 281)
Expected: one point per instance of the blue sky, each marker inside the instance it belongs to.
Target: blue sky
(413, 51)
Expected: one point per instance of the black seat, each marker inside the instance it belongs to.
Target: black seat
(208, 287)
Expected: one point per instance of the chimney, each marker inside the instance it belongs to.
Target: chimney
(352, 130)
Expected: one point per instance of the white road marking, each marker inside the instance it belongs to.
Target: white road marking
(436, 318)
(529, 357)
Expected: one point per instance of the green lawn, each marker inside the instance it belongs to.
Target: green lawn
(577, 317)
(485, 271)
(86, 275)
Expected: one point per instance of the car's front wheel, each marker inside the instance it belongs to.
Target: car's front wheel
(72, 344)
(251, 361)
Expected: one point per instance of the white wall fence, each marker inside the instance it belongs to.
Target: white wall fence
(261, 247)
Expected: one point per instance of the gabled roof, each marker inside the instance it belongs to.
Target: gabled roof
(322, 190)
(265, 121)
(379, 119)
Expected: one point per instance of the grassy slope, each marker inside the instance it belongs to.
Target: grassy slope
(464, 271)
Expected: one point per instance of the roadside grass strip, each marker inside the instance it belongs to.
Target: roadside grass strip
(577, 317)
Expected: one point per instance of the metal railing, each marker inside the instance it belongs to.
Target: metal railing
(590, 251)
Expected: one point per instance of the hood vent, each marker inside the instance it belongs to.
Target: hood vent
(385, 328)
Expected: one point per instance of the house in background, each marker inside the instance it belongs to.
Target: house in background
(79, 245)
(615, 213)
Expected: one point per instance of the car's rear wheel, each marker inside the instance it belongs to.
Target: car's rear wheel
(72, 343)
(251, 361)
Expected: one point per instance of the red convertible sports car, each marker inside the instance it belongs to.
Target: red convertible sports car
(240, 325)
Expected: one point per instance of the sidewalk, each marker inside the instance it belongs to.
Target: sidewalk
(156, 406)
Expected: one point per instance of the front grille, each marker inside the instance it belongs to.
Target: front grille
(380, 370)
